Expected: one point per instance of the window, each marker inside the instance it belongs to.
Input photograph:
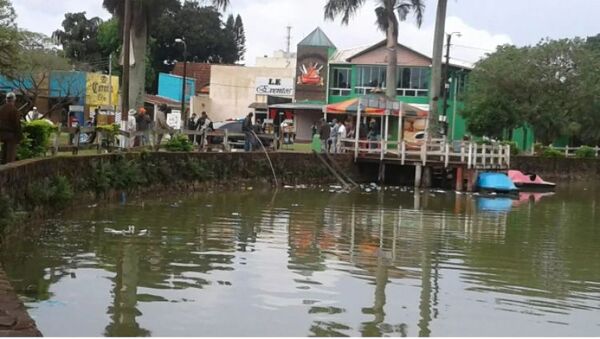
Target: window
(413, 81)
(369, 78)
(341, 81)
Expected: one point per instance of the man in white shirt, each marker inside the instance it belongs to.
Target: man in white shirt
(33, 115)
(341, 135)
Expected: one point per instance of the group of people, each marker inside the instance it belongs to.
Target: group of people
(203, 124)
(332, 135)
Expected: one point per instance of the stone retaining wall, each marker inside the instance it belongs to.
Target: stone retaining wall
(558, 169)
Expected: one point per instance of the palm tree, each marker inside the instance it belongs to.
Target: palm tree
(388, 13)
(143, 14)
(436, 69)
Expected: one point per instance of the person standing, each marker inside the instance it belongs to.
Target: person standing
(342, 131)
(192, 125)
(324, 134)
(72, 123)
(143, 122)
(10, 129)
(205, 125)
(247, 129)
(131, 127)
(33, 115)
(374, 133)
(333, 136)
(161, 124)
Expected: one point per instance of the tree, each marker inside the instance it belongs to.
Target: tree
(239, 38)
(436, 69)
(79, 38)
(143, 11)
(31, 75)
(388, 14)
(9, 36)
(551, 87)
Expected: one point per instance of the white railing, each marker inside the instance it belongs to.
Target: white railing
(473, 155)
(571, 152)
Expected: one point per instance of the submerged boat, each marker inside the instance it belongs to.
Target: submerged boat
(498, 183)
(530, 181)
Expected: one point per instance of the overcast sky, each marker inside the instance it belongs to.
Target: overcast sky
(483, 23)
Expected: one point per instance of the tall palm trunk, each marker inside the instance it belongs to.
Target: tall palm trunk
(139, 38)
(392, 47)
(436, 69)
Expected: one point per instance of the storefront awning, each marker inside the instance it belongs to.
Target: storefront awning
(369, 105)
(262, 106)
(298, 106)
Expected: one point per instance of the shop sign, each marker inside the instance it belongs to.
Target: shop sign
(98, 90)
(275, 86)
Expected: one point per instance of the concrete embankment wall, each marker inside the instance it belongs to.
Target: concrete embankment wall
(559, 169)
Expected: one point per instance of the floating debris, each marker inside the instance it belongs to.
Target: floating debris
(93, 206)
(235, 214)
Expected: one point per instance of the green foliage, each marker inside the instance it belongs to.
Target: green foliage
(55, 193)
(550, 87)
(514, 147)
(179, 143)
(551, 152)
(36, 139)
(586, 152)
(109, 133)
(79, 39)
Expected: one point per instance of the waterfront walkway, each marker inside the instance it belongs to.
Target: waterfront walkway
(14, 319)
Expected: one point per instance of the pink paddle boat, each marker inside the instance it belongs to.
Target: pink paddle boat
(530, 182)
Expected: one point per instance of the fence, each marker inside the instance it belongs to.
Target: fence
(571, 152)
(473, 155)
(207, 141)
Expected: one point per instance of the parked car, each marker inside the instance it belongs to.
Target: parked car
(234, 127)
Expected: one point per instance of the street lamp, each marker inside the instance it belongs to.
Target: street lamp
(181, 41)
(446, 80)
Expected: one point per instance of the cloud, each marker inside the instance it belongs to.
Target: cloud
(46, 16)
(266, 20)
(265, 23)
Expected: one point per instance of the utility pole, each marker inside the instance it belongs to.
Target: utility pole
(181, 40)
(289, 41)
(445, 79)
(110, 88)
(126, 60)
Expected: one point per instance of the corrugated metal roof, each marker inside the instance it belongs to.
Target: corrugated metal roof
(317, 38)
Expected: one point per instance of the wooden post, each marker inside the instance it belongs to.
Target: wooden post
(403, 145)
(471, 180)
(459, 179)
(424, 153)
(386, 136)
(470, 160)
(484, 155)
(357, 136)
(226, 142)
(427, 177)
(98, 142)
(418, 175)
(77, 138)
(56, 143)
(447, 162)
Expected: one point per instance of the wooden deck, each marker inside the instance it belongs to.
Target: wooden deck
(436, 153)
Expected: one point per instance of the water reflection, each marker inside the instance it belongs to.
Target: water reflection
(314, 263)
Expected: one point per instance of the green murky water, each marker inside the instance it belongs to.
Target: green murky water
(307, 262)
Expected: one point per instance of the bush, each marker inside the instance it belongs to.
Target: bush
(109, 133)
(551, 152)
(36, 139)
(6, 211)
(55, 193)
(586, 152)
(538, 148)
(179, 143)
(514, 148)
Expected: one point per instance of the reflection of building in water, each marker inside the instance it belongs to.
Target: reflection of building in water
(124, 310)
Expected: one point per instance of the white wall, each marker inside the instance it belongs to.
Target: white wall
(233, 88)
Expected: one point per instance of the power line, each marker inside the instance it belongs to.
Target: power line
(475, 48)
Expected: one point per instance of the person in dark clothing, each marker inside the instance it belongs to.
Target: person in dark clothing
(143, 122)
(247, 129)
(94, 125)
(364, 131)
(192, 125)
(10, 129)
(324, 134)
(374, 133)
